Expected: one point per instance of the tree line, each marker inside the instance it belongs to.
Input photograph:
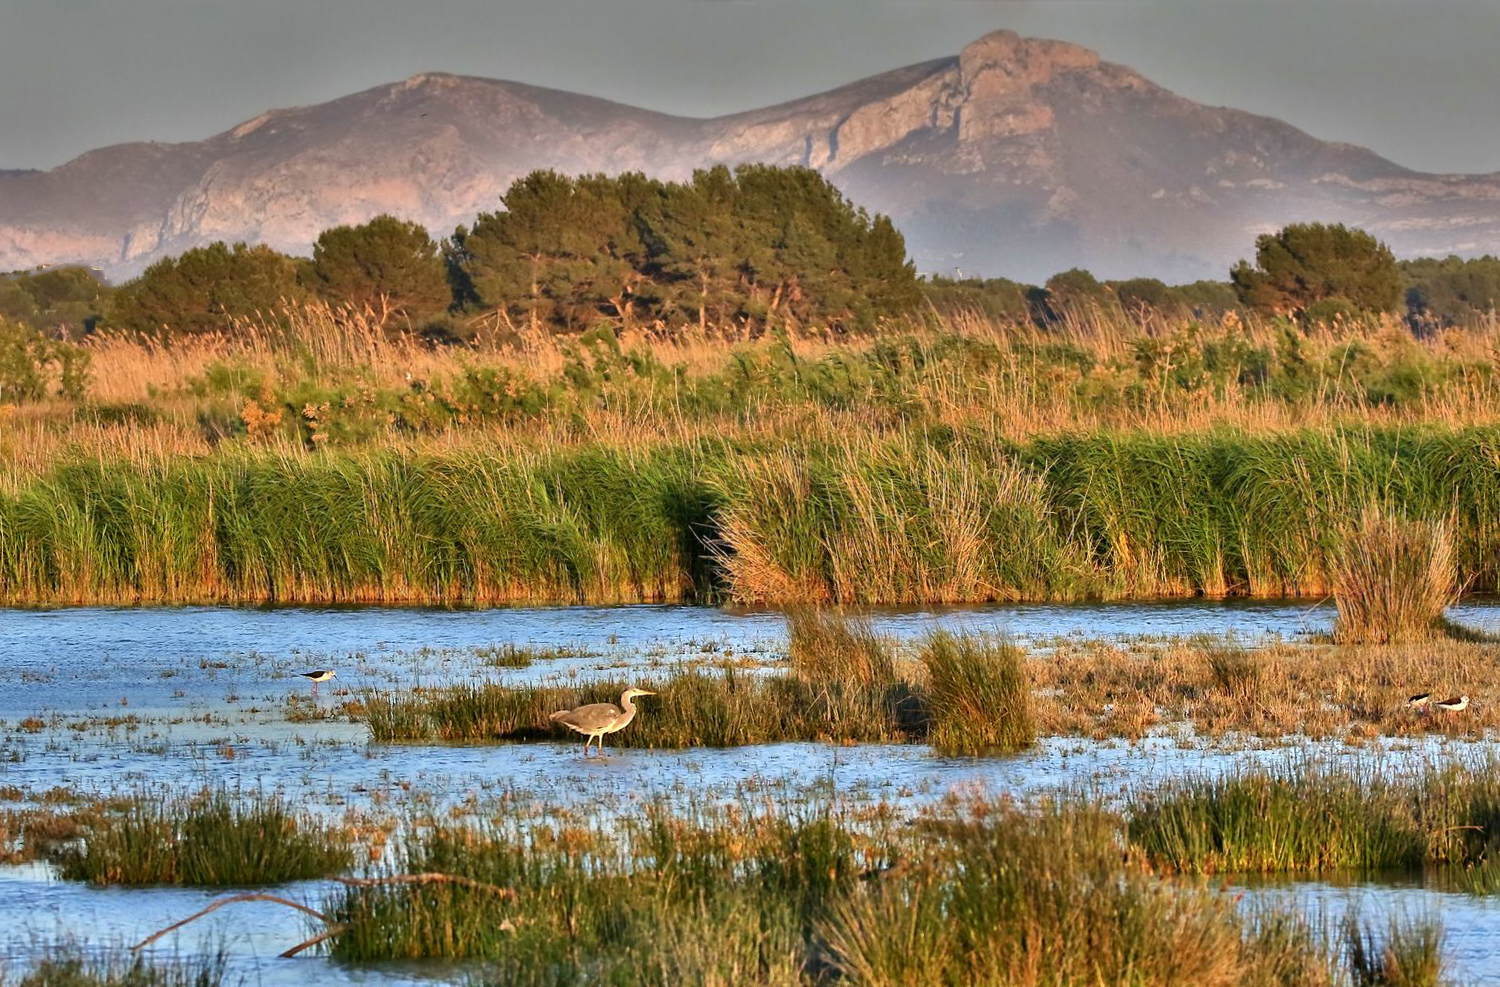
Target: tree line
(757, 246)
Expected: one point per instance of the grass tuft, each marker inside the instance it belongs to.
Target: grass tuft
(978, 695)
(69, 967)
(834, 646)
(1393, 579)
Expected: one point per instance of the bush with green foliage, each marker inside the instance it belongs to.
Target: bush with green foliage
(59, 298)
(32, 366)
(1451, 292)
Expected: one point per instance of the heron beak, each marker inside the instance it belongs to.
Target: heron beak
(647, 692)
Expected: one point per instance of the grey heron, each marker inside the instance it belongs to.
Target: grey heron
(597, 719)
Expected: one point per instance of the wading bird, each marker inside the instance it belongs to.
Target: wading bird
(1419, 700)
(597, 719)
(1454, 705)
(318, 675)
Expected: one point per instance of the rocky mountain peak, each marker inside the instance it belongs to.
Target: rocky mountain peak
(1017, 157)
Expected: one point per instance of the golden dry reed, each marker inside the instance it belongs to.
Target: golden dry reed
(319, 458)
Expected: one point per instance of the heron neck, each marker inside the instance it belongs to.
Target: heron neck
(626, 704)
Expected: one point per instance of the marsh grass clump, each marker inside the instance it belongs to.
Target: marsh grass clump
(1409, 954)
(208, 841)
(1393, 578)
(1293, 821)
(70, 967)
(715, 895)
(830, 645)
(1315, 818)
(978, 695)
(1237, 671)
(1046, 896)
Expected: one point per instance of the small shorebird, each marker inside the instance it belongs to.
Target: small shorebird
(318, 675)
(1454, 705)
(1419, 700)
(597, 719)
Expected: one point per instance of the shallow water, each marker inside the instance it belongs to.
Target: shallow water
(180, 698)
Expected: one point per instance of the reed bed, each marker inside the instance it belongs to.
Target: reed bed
(208, 841)
(317, 459)
(966, 694)
(694, 708)
(1101, 516)
(69, 967)
(974, 694)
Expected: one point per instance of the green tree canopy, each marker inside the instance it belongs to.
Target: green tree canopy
(207, 288)
(1000, 300)
(386, 264)
(757, 245)
(1308, 263)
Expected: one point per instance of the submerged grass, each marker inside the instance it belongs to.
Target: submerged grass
(1316, 819)
(70, 967)
(793, 896)
(211, 840)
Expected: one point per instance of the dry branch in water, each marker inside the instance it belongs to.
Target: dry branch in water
(333, 928)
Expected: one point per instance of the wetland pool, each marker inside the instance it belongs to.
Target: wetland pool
(124, 700)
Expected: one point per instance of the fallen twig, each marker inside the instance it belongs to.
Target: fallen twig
(327, 933)
(214, 906)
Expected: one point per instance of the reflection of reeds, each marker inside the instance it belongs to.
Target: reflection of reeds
(1393, 578)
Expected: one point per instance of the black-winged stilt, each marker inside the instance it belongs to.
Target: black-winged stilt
(318, 675)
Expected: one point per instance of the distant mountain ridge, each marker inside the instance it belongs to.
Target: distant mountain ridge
(1019, 157)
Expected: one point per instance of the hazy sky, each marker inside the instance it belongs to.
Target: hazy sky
(1419, 82)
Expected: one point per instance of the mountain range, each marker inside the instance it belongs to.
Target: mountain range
(1018, 157)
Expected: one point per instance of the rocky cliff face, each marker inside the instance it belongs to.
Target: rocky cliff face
(1019, 157)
